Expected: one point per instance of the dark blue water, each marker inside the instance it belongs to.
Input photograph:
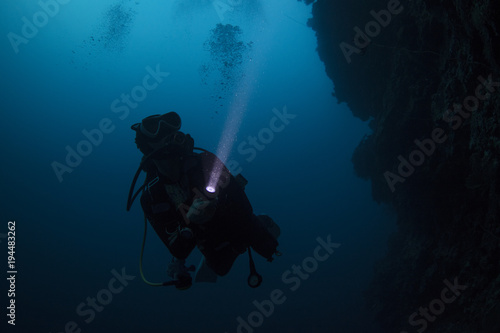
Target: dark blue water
(77, 249)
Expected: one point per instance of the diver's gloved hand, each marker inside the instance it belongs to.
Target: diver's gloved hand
(201, 210)
(178, 271)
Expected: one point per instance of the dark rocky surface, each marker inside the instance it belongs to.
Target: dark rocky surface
(416, 79)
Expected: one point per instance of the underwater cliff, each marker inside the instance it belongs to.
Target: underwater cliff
(426, 76)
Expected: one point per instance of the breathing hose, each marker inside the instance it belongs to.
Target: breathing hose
(142, 254)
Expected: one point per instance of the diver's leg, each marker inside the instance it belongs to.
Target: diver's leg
(221, 258)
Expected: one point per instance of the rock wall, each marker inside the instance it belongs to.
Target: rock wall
(428, 80)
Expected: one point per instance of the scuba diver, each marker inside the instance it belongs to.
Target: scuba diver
(192, 200)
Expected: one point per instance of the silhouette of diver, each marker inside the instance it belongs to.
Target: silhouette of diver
(186, 210)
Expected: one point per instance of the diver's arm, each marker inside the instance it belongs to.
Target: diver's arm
(201, 210)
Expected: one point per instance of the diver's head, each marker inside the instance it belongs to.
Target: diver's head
(160, 133)
(159, 139)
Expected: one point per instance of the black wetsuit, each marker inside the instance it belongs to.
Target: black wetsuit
(230, 231)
